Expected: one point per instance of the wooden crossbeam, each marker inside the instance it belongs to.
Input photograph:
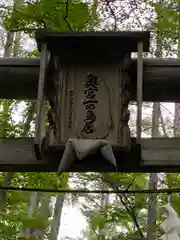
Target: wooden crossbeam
(161, 77)
(158, 154)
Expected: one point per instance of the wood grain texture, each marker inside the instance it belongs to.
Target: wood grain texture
(19, 79)
(91, 103)
(41, 101)
(158, 154)
(139, 91)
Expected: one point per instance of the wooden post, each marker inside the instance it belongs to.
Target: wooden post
(41, 104)
(139, 91)
(124, 100)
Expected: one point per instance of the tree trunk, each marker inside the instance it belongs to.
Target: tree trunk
(151, 234)
(93, 12)
(30, 114)
(44, 214)
(101, 237)
(104, 203)
(33, 202)
(9, 44)
(7, 53)
(57, 217)
(34, 196)
(153, 177)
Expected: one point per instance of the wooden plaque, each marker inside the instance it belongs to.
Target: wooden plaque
(91, 103)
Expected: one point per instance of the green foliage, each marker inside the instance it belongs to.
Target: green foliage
(118, 213)
(34, 222)
(5, 118)
(52, 15)
(98, 220)
(168, 18)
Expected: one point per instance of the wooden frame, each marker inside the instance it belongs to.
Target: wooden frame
(101, 58)
(139, 91)
(97, 47)
(41, 105)
(149, 155)
(161, 76)
(158, 155)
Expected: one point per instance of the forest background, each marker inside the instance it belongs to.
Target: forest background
(32, 215)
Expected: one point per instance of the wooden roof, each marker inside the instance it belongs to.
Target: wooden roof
(94, 47)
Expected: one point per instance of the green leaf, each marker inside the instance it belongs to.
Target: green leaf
(52, 15)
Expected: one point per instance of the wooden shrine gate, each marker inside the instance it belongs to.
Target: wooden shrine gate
(89, 80)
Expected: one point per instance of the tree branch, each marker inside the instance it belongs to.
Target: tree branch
(127, 207)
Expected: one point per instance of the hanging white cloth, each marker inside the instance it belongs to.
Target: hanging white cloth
(170, 236)
(171, 225)
(172, 221)
(81, 148)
